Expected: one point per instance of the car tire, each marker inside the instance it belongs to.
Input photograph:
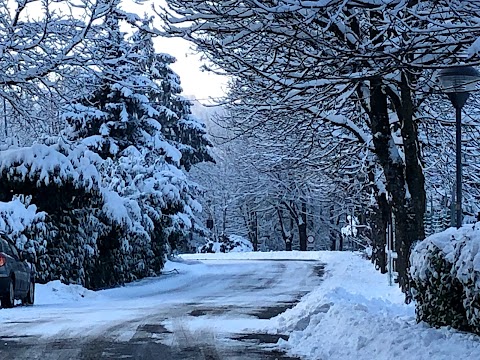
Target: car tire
(8, 301)
(30, 298)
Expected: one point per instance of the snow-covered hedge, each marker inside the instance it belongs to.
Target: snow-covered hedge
(91, 221)
(24, 224)
(445, 270)
(226, 244)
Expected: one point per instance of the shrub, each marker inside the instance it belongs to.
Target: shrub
(445, 275)
(225, 244)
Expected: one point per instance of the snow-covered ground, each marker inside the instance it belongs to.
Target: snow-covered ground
(201, 307)
(352, 314)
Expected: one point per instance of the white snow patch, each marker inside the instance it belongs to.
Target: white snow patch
(354, 314)
(55, 292)
(274, 255)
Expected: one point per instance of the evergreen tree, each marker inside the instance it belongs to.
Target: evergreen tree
(126, 122)
(179, 126)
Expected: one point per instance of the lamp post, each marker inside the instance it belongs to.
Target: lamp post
(457, 82)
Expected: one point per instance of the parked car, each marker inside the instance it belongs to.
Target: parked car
(17, 274)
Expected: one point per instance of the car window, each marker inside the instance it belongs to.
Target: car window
(14, 251)
(7, 249)
(3, 245)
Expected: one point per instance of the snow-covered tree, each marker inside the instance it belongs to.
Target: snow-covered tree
(361, 66)
(42, 43)
(134, 122)
(111, 193)
(257, 186)
(179, 126)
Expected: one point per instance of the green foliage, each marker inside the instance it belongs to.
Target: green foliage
(439, 295)
(446, 279)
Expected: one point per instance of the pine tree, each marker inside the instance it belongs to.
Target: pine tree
(179, 126)
(126, 122)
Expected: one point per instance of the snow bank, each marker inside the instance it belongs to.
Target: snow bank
(354, 314)
(55, 292)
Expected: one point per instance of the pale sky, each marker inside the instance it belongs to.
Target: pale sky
(202, 85)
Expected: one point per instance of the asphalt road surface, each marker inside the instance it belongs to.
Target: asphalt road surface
(200, 317)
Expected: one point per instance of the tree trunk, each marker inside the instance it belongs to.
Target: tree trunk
(333, 234)
(251, 224)
(300, 218)
(255, 231)
(413, 167)
(286, 236)
(379, 221)
(302, 227)
(290, 241)
(407, 206)
(288, 245)
(224, 217)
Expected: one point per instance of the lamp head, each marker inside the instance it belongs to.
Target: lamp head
(459, 79)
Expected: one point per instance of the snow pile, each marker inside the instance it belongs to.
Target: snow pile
(226, 244)
(446, 274)
(354, 314)
(55, 292)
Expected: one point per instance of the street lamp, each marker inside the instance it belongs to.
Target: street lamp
(457, 82)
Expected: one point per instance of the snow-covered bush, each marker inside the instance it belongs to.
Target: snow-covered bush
(24, 224)
(445, 270)
(99, 223)
(62, 182)
(225, 244)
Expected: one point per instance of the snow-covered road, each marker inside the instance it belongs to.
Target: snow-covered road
(211, 309)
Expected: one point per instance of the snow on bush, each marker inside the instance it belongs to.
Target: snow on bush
(231, 243)
(446, 278)
(45, 165)
(21, 220)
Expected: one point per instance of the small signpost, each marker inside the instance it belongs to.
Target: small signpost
(310, 243)
(391, 254)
